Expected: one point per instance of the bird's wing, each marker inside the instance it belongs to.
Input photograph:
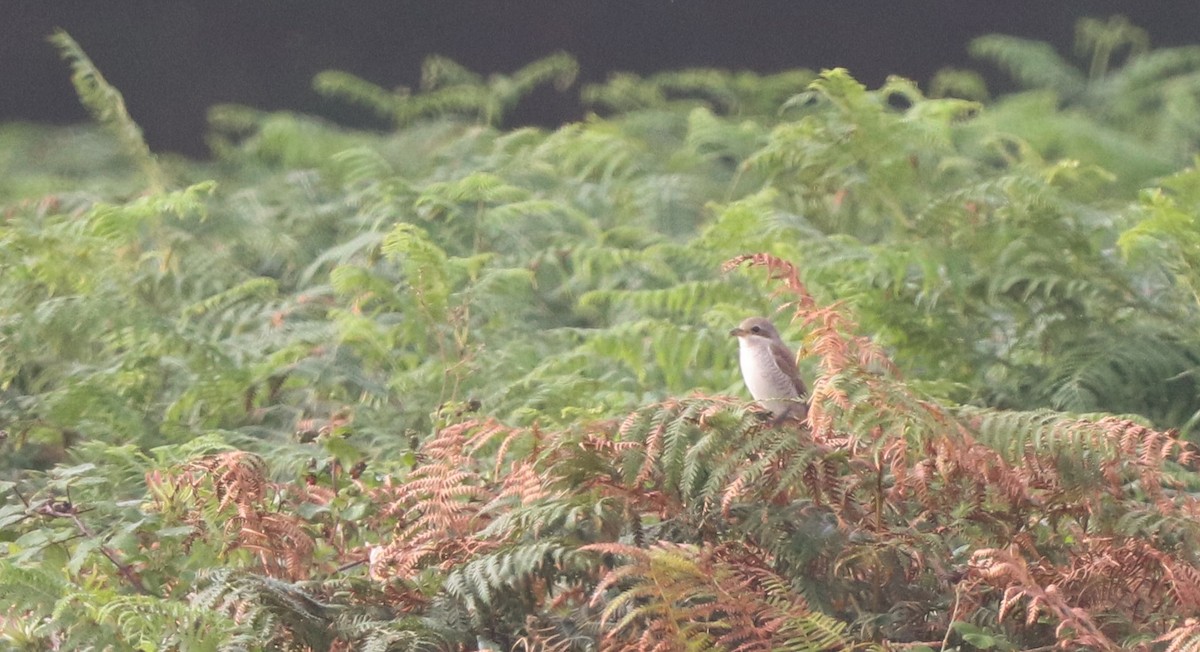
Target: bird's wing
(787, 364)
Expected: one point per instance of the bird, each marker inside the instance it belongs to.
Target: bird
(769, 369)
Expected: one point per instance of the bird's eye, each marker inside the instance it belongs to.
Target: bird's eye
(755, 329)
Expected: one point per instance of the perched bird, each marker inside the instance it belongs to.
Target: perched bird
(769, 369)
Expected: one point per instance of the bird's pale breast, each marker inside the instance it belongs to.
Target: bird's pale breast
(763, 377)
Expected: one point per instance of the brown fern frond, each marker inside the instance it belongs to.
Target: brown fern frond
(229, 492)
(721, 597)
(444, 503)
(501, 455)
(1007, 569)
(653, 446)
(1184, 638)
(283, 548)
(311, 428)
(1127, 576)
(542, 637)
(239, 477)
(523, 484)
(777, 269)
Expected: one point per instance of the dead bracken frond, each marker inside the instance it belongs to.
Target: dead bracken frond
(1009, 570)
(230, 493)
(681, 596)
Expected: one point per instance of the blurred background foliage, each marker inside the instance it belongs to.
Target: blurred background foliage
(329, 297)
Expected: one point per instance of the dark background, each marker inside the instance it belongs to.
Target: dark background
(172, 60)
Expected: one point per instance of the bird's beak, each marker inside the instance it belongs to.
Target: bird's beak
(737, 332)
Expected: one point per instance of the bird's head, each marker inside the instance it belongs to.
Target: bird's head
(755, 327)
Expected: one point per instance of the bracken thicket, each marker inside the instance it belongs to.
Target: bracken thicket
(458, 385)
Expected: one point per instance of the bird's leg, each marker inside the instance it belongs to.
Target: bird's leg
(796, 412)
(800, 411)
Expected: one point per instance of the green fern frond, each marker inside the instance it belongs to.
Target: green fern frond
(1172, 529)
(495, 585)
(686, 301)
(363, 166)
(559, 68)
(579, 519)
(1032, 63)
(426, 267)
(108, 107)
(593, 151)
(712, 136)
(345, 86)
(623, 92)
(26, 588)
(255, 288)
(469, 101)
(438, 71)
(1116, 373)
(449, 88)
(724, 92)
(954, 82)
(479, 187)
(145, 622)
(1102, 39)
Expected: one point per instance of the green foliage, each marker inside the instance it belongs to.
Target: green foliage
(456, 385)
(449, 89)
(108, 107)
(1129, 110)
(742, 93)
(1168, 232)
